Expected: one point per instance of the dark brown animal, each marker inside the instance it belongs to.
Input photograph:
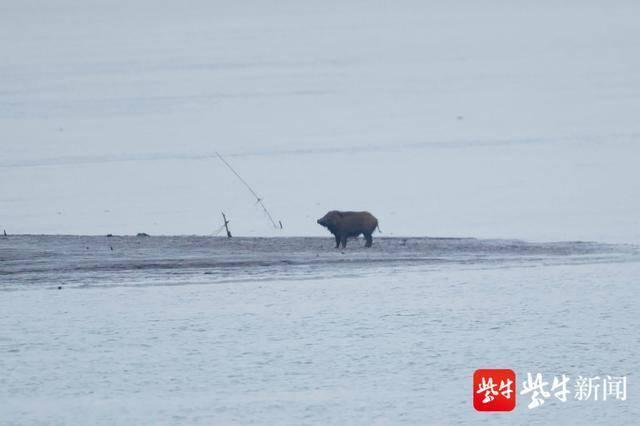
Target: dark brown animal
(344, 225)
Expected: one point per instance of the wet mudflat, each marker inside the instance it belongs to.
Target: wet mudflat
(29, 261)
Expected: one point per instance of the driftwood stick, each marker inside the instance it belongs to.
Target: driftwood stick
(259, 200)
(226, 225)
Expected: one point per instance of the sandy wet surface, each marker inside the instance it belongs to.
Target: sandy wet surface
(29, 261)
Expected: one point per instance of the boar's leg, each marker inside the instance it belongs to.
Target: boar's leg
(337, 240)
(343, 240)
(369, 240)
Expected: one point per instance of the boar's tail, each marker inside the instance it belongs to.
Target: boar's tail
(379, 230)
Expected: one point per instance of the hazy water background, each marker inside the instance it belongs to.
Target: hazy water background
(291, 331)
(491, 119)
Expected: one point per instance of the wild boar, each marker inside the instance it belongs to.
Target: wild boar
(349, 224)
